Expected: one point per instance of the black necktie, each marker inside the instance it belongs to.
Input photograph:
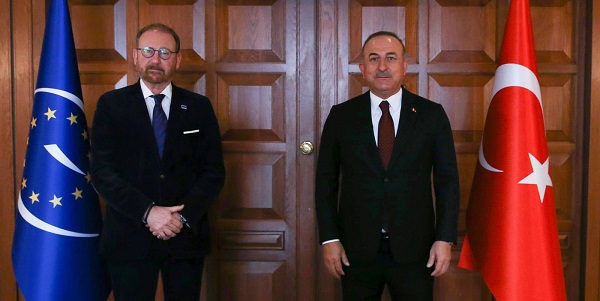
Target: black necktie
(159, 122)
(385, 138)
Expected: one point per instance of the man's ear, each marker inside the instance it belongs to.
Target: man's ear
(362, 69)
(134, 54)
(178, 60)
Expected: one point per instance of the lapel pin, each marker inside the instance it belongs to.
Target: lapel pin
(184, 107)
(414, 110)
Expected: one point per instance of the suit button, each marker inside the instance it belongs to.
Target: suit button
(162, 177)
(386, 180)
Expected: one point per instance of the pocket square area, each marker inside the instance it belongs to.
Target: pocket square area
(191, 132)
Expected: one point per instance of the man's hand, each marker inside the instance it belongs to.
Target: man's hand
(163, 223)
(334, 255)
(440, 254)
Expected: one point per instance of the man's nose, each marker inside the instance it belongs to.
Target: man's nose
(382, 65)
(155, 58)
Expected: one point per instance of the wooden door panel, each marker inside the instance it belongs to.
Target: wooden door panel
(252, 106)
(256, 31)
(255, 215)
(245, 277)
(399, 16)
(462, 31)
(101, 48)
(255, 187)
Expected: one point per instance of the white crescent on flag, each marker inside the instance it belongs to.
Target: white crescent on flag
(60, 156)
(514, 75)
(511, 75)
(70, 96)
(42, 225)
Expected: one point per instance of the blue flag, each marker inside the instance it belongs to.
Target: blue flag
(58, 223)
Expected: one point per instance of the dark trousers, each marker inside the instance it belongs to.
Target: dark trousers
(406, 282)
(137, 280)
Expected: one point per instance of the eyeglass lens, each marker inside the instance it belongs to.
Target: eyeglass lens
(163, 53)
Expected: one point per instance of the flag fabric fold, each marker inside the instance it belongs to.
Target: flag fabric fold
(58, 220)
(512, 234)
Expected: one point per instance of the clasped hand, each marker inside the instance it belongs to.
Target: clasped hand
(164, 222)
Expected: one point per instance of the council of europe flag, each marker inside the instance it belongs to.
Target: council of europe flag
(58, 223)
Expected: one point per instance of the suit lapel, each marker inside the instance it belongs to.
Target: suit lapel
(365, 129)
(364, 117)
(139, 111)
(408, 116)
(174, 123)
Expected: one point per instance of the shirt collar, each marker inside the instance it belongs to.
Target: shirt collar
(168, 91)
(394, 100)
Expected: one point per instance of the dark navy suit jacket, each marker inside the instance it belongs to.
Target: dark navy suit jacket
(129, 175)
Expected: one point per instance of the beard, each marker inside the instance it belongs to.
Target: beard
(155, 74)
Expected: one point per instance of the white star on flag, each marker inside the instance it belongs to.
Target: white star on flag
(539, 176)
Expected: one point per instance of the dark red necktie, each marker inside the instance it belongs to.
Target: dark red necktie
(385, 138)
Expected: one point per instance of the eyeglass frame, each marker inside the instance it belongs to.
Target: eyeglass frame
(160, 52)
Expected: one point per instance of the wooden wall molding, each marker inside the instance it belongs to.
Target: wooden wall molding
(592, 260)
(7, 178)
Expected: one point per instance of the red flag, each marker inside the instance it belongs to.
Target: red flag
(512, 235)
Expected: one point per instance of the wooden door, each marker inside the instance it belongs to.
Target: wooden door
(260, 229)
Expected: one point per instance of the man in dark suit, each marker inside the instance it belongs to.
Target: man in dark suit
(379, 153)
(158, 165)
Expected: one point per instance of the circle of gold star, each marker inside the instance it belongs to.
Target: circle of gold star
(50, 114)
(56, 201)
(72, 119)
(34, 197)
(78, 193)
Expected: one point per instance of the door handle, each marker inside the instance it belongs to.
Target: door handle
(306, 148)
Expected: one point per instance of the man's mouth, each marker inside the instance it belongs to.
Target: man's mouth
(155, 70)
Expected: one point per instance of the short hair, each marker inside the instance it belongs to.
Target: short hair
(159, 27)
(385, 33)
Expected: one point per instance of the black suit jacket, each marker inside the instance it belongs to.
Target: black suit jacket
(129, 174)
(352, 187)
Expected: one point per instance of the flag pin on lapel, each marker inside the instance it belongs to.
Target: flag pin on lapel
(414, 110)
(183, 107)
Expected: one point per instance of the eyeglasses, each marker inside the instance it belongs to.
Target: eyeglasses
(163, 53)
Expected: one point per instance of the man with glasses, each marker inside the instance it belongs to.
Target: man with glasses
(158, 165)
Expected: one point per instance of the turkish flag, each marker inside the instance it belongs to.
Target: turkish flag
(512, 235)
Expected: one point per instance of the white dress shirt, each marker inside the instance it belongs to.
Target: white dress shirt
(395, 102)
(166, 102)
